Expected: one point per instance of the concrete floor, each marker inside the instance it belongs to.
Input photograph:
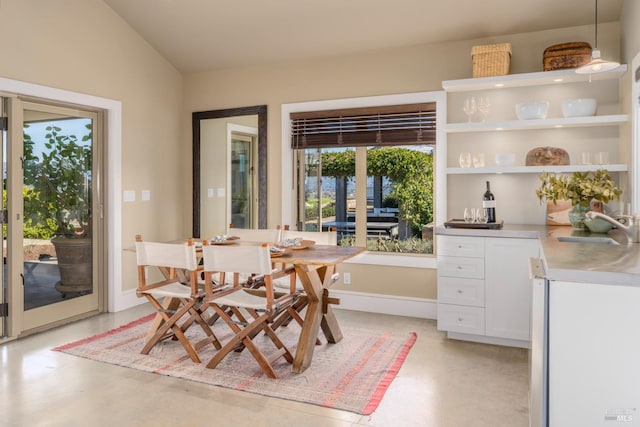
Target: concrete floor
(443, 383)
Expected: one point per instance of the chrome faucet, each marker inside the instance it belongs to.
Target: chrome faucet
(629, 224)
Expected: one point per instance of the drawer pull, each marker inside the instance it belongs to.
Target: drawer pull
(459, 246)
(459, 291)
(459, 267)
(460, 319)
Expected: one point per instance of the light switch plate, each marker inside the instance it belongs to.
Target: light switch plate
(145, 195)
(129, 196)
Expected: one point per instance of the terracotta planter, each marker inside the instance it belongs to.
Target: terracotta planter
(75, 262)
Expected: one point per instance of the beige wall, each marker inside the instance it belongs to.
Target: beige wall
(378, 279)
(629, 22)
(83, 46)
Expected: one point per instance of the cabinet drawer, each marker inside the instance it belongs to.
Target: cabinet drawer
(456, 290)
(471, 268)
(461, 246)
(457, 318)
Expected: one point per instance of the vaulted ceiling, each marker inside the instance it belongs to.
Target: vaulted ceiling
(198, 35)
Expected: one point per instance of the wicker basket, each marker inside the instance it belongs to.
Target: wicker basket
(566, 55)
(491, 59)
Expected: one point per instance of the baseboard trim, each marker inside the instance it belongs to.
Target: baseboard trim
(488, 340)
(387, 304)
(127, 299)
(358, 301)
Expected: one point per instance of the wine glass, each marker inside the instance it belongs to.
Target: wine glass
(469, 214)
(465, 160)
(470, 107)
(483, 105)
(481, 215)
(478, 160)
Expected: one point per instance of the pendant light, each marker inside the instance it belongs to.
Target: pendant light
(597, 65)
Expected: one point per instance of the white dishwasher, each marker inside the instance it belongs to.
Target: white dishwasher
(594, 354)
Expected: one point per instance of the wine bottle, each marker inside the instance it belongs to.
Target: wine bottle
(489, 204)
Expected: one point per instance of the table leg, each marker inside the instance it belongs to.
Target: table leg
(330, 327)
(312, 318)
(315, 281)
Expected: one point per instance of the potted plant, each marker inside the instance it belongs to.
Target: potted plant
(62, 181)
(580, 189)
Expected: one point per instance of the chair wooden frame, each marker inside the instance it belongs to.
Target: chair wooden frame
(246, 312)
(182, 303)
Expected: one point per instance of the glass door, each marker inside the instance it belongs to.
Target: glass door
(242, 177)
(51, 240)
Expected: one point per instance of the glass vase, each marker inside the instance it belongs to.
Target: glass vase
(577, 216)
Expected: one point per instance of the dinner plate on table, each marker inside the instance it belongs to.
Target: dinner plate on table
(303, 245)
(276, 252)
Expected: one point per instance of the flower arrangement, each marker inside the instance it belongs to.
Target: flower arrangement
(580, 187)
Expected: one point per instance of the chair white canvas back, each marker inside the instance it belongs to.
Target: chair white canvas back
(259, 235)
(166, 255)
(237, 259)
(320, 237)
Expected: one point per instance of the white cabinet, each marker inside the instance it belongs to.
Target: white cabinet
(594, 348)
(483, 288)
(501, 132)
(461, 284)
(507, 293)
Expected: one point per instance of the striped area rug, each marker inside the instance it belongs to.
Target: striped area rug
(351, 375)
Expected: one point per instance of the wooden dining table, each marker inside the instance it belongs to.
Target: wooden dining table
(314, 266)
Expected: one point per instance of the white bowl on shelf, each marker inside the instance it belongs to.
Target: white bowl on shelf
(505, 159)
(582, 107)
(532, 110)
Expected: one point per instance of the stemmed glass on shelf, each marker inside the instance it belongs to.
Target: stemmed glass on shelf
(470, 107)
(483, 105)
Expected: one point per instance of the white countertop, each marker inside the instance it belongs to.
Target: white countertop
(571, 261)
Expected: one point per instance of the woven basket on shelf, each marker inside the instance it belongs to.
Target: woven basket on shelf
(491, 59)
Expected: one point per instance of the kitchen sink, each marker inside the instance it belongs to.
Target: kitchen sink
(588, 239)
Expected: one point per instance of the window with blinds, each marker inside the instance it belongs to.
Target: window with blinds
(385, 125)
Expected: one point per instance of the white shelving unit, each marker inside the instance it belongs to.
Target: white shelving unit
(503, 133)
(536, 169)
(554, 123)
(529, 79)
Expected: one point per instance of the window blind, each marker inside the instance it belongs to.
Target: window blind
(386, 125)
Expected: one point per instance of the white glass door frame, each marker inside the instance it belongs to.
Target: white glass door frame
(38, 318)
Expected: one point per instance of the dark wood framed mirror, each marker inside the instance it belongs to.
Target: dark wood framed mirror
(200, 141)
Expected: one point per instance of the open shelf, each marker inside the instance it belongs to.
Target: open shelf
(536, 169)
(569, 122)
(528, 79)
